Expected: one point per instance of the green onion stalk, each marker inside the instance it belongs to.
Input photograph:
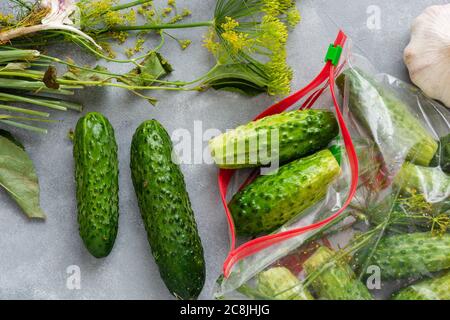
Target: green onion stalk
(19, 84)
(29, 79)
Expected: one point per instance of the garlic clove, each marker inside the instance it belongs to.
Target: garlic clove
(427, 55)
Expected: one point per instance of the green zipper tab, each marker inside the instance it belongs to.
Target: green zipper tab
(333, 54)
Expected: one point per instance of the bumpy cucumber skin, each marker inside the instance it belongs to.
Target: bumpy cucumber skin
(430, 289)
(442, 157)
(272, 200)
(389, 118)
(336, 281)
(445, 154)
(299, 133)
(166, 210)
(411, 255)
(97, 183)
(278, 283)
(432, 182)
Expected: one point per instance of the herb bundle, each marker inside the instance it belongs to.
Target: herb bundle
(247, 37)
(29, 78)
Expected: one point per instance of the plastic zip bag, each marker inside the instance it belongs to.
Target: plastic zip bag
(392, 241)
(246, 260)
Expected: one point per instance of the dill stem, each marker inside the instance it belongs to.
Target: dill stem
(119, 85)
(163, 26)
(24, 111)
(129, 5)
(23, 126)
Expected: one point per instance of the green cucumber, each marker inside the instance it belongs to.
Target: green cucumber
(409, 212)
(333, 279)
(272, 200)
(278, 283)
(421, 196)
(433, 183)
(389, 120)
(445, 153)
(285, 136)
(166, 210)
(97, 183)
(442, 157)
(437, 288)
(412, 255)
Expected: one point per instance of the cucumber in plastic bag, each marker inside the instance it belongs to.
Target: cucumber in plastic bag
(389, 120)
(334, 279)
(430, 289)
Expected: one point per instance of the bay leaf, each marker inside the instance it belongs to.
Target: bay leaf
(152, 68)
(18, 176)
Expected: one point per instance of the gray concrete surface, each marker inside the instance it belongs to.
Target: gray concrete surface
(34, 256)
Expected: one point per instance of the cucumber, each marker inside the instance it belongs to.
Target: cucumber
(334, 279)
(442, 157)
(430, 289)
(166, 210)
(421, 196)
(97, 183)
(431, 182)
(285, 136)
(272, 200)
(279, 283)
(409, 212)
(391, 122)
(412, 255)
(445, 153)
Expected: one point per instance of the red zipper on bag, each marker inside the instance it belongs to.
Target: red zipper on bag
(327, 78)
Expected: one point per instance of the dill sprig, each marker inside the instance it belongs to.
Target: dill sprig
(248, 39)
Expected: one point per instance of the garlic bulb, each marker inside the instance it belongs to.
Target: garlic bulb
(47, 15)
(427, 56)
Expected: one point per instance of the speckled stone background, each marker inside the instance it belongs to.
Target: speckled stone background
(34, 256)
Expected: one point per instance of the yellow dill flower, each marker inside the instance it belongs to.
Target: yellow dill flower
(147, 12)
(184, 44)
(96, 8)
(176, 18)
(293, 17)
(273, 34)
(210, 43)
(100, 6)
(166, 11)
(440, 224)
(139, 44)
(276, 8)
(229, 24)
(129, 52)
(121, 36)
(107, 48)
(113, 18)
(130, 17)
(171, 3)
(237, 41)
(279, 74)
(6, 19)
(186, 13)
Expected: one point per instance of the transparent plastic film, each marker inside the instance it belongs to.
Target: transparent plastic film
(393, 240)
(309, 192)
